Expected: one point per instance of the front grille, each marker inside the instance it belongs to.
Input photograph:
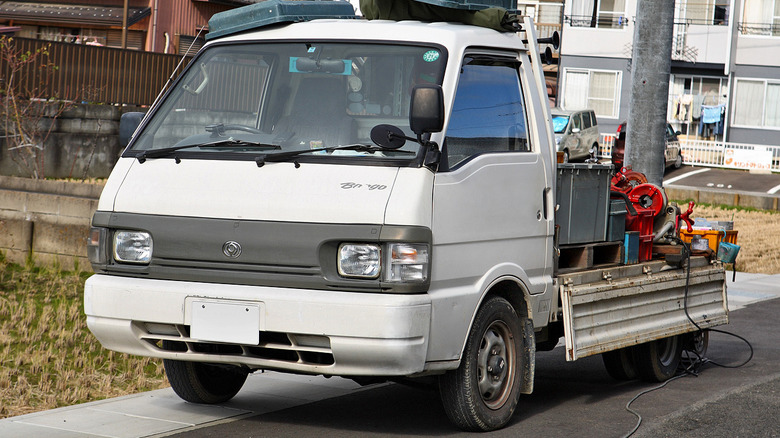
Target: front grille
(273, 346)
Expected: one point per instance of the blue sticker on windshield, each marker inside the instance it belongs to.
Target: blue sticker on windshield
(431, 55)
(312, 49)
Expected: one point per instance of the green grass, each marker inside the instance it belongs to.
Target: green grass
(48, 357)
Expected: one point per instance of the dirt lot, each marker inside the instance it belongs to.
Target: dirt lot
(758, 235)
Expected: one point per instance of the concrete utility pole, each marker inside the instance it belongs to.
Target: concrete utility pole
(650, 70)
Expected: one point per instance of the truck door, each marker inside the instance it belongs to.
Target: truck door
(489, 217)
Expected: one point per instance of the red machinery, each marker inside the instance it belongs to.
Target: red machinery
(648, 211)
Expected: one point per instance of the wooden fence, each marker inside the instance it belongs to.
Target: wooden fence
(96, 74)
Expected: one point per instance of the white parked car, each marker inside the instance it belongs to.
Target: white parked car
(576, 133)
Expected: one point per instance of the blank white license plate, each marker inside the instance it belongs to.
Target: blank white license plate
(226, 322)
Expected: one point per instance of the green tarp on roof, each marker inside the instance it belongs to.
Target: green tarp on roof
(472, 13)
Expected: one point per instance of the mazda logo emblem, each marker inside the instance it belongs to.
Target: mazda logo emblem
(231, 249)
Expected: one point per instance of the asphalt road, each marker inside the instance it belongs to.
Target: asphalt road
(723, 180)
(571, 399)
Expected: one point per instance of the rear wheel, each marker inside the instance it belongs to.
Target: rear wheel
(678, 162)
(204, 383)
(620, 364)
(657, 361)
(482, 394)
(697, 342)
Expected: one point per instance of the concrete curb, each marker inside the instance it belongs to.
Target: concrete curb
(721, 197)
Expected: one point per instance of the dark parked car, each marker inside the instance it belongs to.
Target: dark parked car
(672, 156)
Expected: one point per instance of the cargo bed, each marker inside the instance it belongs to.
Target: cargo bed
(611, 308)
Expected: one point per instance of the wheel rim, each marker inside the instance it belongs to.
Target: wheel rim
(667, 351)
(496, 365)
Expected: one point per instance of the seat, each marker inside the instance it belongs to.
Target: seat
(318, 115)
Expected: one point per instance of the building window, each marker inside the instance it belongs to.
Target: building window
(761, 17)
(595, 89)
(610, 14)
(757, 103)
(702, 12)
(697, 105)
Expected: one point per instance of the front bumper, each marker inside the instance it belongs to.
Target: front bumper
(307, 331)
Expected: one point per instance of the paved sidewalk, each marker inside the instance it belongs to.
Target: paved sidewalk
(159, 413)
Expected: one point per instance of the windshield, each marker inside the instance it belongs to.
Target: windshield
(559, 123)
(252, 99)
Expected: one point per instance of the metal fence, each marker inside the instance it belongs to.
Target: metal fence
(95, 74)
(716, 154)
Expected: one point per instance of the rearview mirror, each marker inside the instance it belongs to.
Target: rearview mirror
(426, 113)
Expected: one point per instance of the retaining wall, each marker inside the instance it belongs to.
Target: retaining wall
(84, 143)
(49, 219)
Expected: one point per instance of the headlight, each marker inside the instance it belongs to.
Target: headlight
(96, 246)
(557, 140)
(407, 262)
(132, 247)
(359, 260)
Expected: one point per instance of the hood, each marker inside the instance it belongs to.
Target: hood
(323, 193)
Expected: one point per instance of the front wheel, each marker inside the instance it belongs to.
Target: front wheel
(482, 394)
(204, 383)
(566, 157)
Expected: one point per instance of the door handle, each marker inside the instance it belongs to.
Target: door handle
(545, 201)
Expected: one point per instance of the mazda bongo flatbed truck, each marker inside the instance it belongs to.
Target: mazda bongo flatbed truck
(357, 198)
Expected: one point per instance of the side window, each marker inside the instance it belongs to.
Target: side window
(593, 118)
(577, 121)
(488, 114)
(586, 120)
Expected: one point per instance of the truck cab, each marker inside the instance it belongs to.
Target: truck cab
(252, 223)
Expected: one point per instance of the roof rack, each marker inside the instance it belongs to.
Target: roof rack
(271, 12)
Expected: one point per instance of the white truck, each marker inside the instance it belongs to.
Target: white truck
(373, 199)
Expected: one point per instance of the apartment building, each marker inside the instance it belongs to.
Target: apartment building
(724, 84)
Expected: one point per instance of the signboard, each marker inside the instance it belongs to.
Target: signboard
(758, 158)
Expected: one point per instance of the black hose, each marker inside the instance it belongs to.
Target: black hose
(629, 205)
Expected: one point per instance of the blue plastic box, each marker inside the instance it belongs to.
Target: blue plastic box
(275, 11)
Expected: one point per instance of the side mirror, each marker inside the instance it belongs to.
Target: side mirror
(575, 130)
(426, 112)
(128, 123)
(388, 136)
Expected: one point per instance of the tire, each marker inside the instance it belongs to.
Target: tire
(657, 361)
(566, 157)
(698, 342)
(678, 162)
(594, 150)
(204, 383)
(620, 364)
(482, 393)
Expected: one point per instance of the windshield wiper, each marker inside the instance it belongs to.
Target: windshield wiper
(283, 156)
(159, 153)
